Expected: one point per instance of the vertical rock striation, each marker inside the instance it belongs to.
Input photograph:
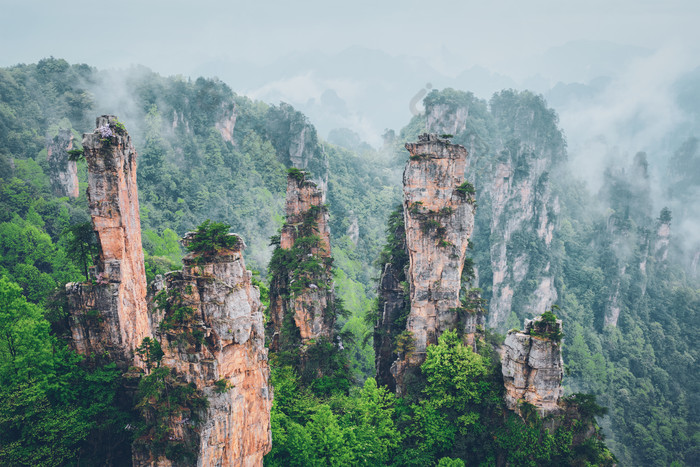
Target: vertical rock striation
(514, 144)
(62, 171)
(302, 285)
(533, 367)
(110, 313)
(393, 303)
(439, 219)
(523, 210)
(207, 320)
(211, 331)
(227, 122)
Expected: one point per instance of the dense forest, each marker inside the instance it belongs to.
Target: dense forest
(625, 286)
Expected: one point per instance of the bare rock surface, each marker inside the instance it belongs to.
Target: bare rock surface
(439, 219)
(222, 346)
(304, 296)
(532, 369)
(116, 295)
(207, 317)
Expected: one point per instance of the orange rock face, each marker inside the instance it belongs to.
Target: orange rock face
(305, 296)
(208, 317)
(439, 219)
(223, 341)
(118, 293)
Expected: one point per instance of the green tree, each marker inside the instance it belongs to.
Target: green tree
(25, 343)
(211, 237)
(81, 244)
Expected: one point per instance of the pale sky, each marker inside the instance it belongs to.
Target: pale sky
(177, 36)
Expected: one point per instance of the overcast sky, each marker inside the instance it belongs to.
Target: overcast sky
(177, 36)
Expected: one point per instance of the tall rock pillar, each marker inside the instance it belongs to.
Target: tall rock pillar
(439, 218)
(212, 335)
(110, 312)
(532, 365)
(302, 284)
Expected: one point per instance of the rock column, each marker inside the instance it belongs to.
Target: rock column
(217, 343)
(533, 367)
(110, 311)
(439, 219)
(302, 286)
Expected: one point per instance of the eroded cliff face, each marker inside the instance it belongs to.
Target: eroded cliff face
(533, 367)
(443, 119)
(663, 239)
(439, 219)
(514, 145)
(62, 171)
(115, 298)
(227, 123)
(208, 318)
(302, 286)
(631, 237)
(393, 302)
(522, 209)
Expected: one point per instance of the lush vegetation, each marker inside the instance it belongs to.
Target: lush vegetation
(604, 256)
(459, 416)
(57, 407)
(211, 237)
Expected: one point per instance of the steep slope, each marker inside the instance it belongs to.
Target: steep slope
(201, 345)
(301, 288)
(515, 146)
(116, 299)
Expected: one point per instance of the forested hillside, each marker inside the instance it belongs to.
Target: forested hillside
(625, 284)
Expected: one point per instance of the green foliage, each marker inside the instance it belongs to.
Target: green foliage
(296, 174)
(163, 401)
(54, 408)
(325, 368)
(150, 352)
(643, 369)
(81, 245)
(546, 327)
(346, 430)
(466, 189)
(25, 345)
(76, 154)
(456, 379)
(447, 462)
(222, 385)
(587, 406)
(178, 316)
(212, 237)
(405, 343)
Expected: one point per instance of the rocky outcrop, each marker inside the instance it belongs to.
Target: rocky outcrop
(439, 218)
(393, 307)
(663, 239)
(210, 325)
(353, 230)
(514, 145)
(115, 298)
(444, 119)
(206, 320)
(63, 172)
(294, 138)
(227, 123)
(302, 284)
(533, 367)
(523, 209)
